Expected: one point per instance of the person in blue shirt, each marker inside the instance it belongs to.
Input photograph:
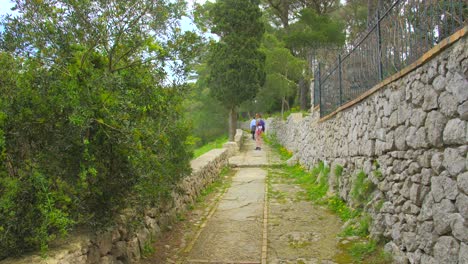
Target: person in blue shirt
(253, 124)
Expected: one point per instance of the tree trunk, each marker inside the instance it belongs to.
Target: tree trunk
(232, 123)
(282, 107)
(285, 13)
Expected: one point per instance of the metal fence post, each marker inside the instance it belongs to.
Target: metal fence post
(320, 89)
(340, 80)
(379, 46)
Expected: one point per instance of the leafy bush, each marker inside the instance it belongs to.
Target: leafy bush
(87, 124)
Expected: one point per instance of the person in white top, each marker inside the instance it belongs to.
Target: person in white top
(253, 125)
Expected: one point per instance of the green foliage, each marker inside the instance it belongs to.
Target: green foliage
(339, 207)
(315, 182)
(148, 248)
(271, 140)
(338, 171)
(236, 65)
(216, 185)
(206, 115)
(362, 188)
(369, 252)
(313, 28)
(377, 172)
(87, 123)
(218, 143)
(31, 211)
(283, 72)
(359, 226)
(361, 250)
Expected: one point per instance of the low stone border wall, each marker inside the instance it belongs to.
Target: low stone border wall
(124, 244)
(411, 139)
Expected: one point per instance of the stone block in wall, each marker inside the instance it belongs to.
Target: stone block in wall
(104, 242)
(399, 257)
(457, 86)
(417, 193)
(435, 124)
(108, 260)
(463, 111)
(439, 83)
(120, 251)
(462, 182)
(459, 228)
(448, 104)
(430, 99)
(454, 162)
(409, 241)
(94, 255)
(417, 137)
(455, 132)
(426, 212)
(463, 254)
(133, 250)
(443, 215)
(443, 187)
(425, 236)
(418, 117)
(462, 205)
(410, 208)
(416, 92)
(446, 250)
(144, 237)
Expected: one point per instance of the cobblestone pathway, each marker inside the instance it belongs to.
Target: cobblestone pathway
(254, 222)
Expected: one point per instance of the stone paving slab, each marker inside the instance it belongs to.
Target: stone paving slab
(249, 157)
(298, 230)
(234, 233)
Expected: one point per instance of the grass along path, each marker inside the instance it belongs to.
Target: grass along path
(218, 143)
(352, 242)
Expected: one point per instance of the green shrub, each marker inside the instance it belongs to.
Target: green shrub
(338, 206)
(81, 135)
(369, 252)
(362, 188)
(359, 227)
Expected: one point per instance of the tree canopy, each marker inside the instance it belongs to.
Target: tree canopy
(236, 65)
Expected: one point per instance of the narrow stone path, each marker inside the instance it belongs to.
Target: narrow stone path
(235, 232)
(260, 218)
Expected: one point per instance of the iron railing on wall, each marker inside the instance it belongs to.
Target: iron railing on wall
(399, 35)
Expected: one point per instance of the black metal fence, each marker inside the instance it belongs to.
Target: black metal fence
(399, 35)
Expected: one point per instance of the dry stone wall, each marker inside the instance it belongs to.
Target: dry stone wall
(416, 130)
(125, 242)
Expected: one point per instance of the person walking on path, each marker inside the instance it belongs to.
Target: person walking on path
(259, 129)
(253, 124)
